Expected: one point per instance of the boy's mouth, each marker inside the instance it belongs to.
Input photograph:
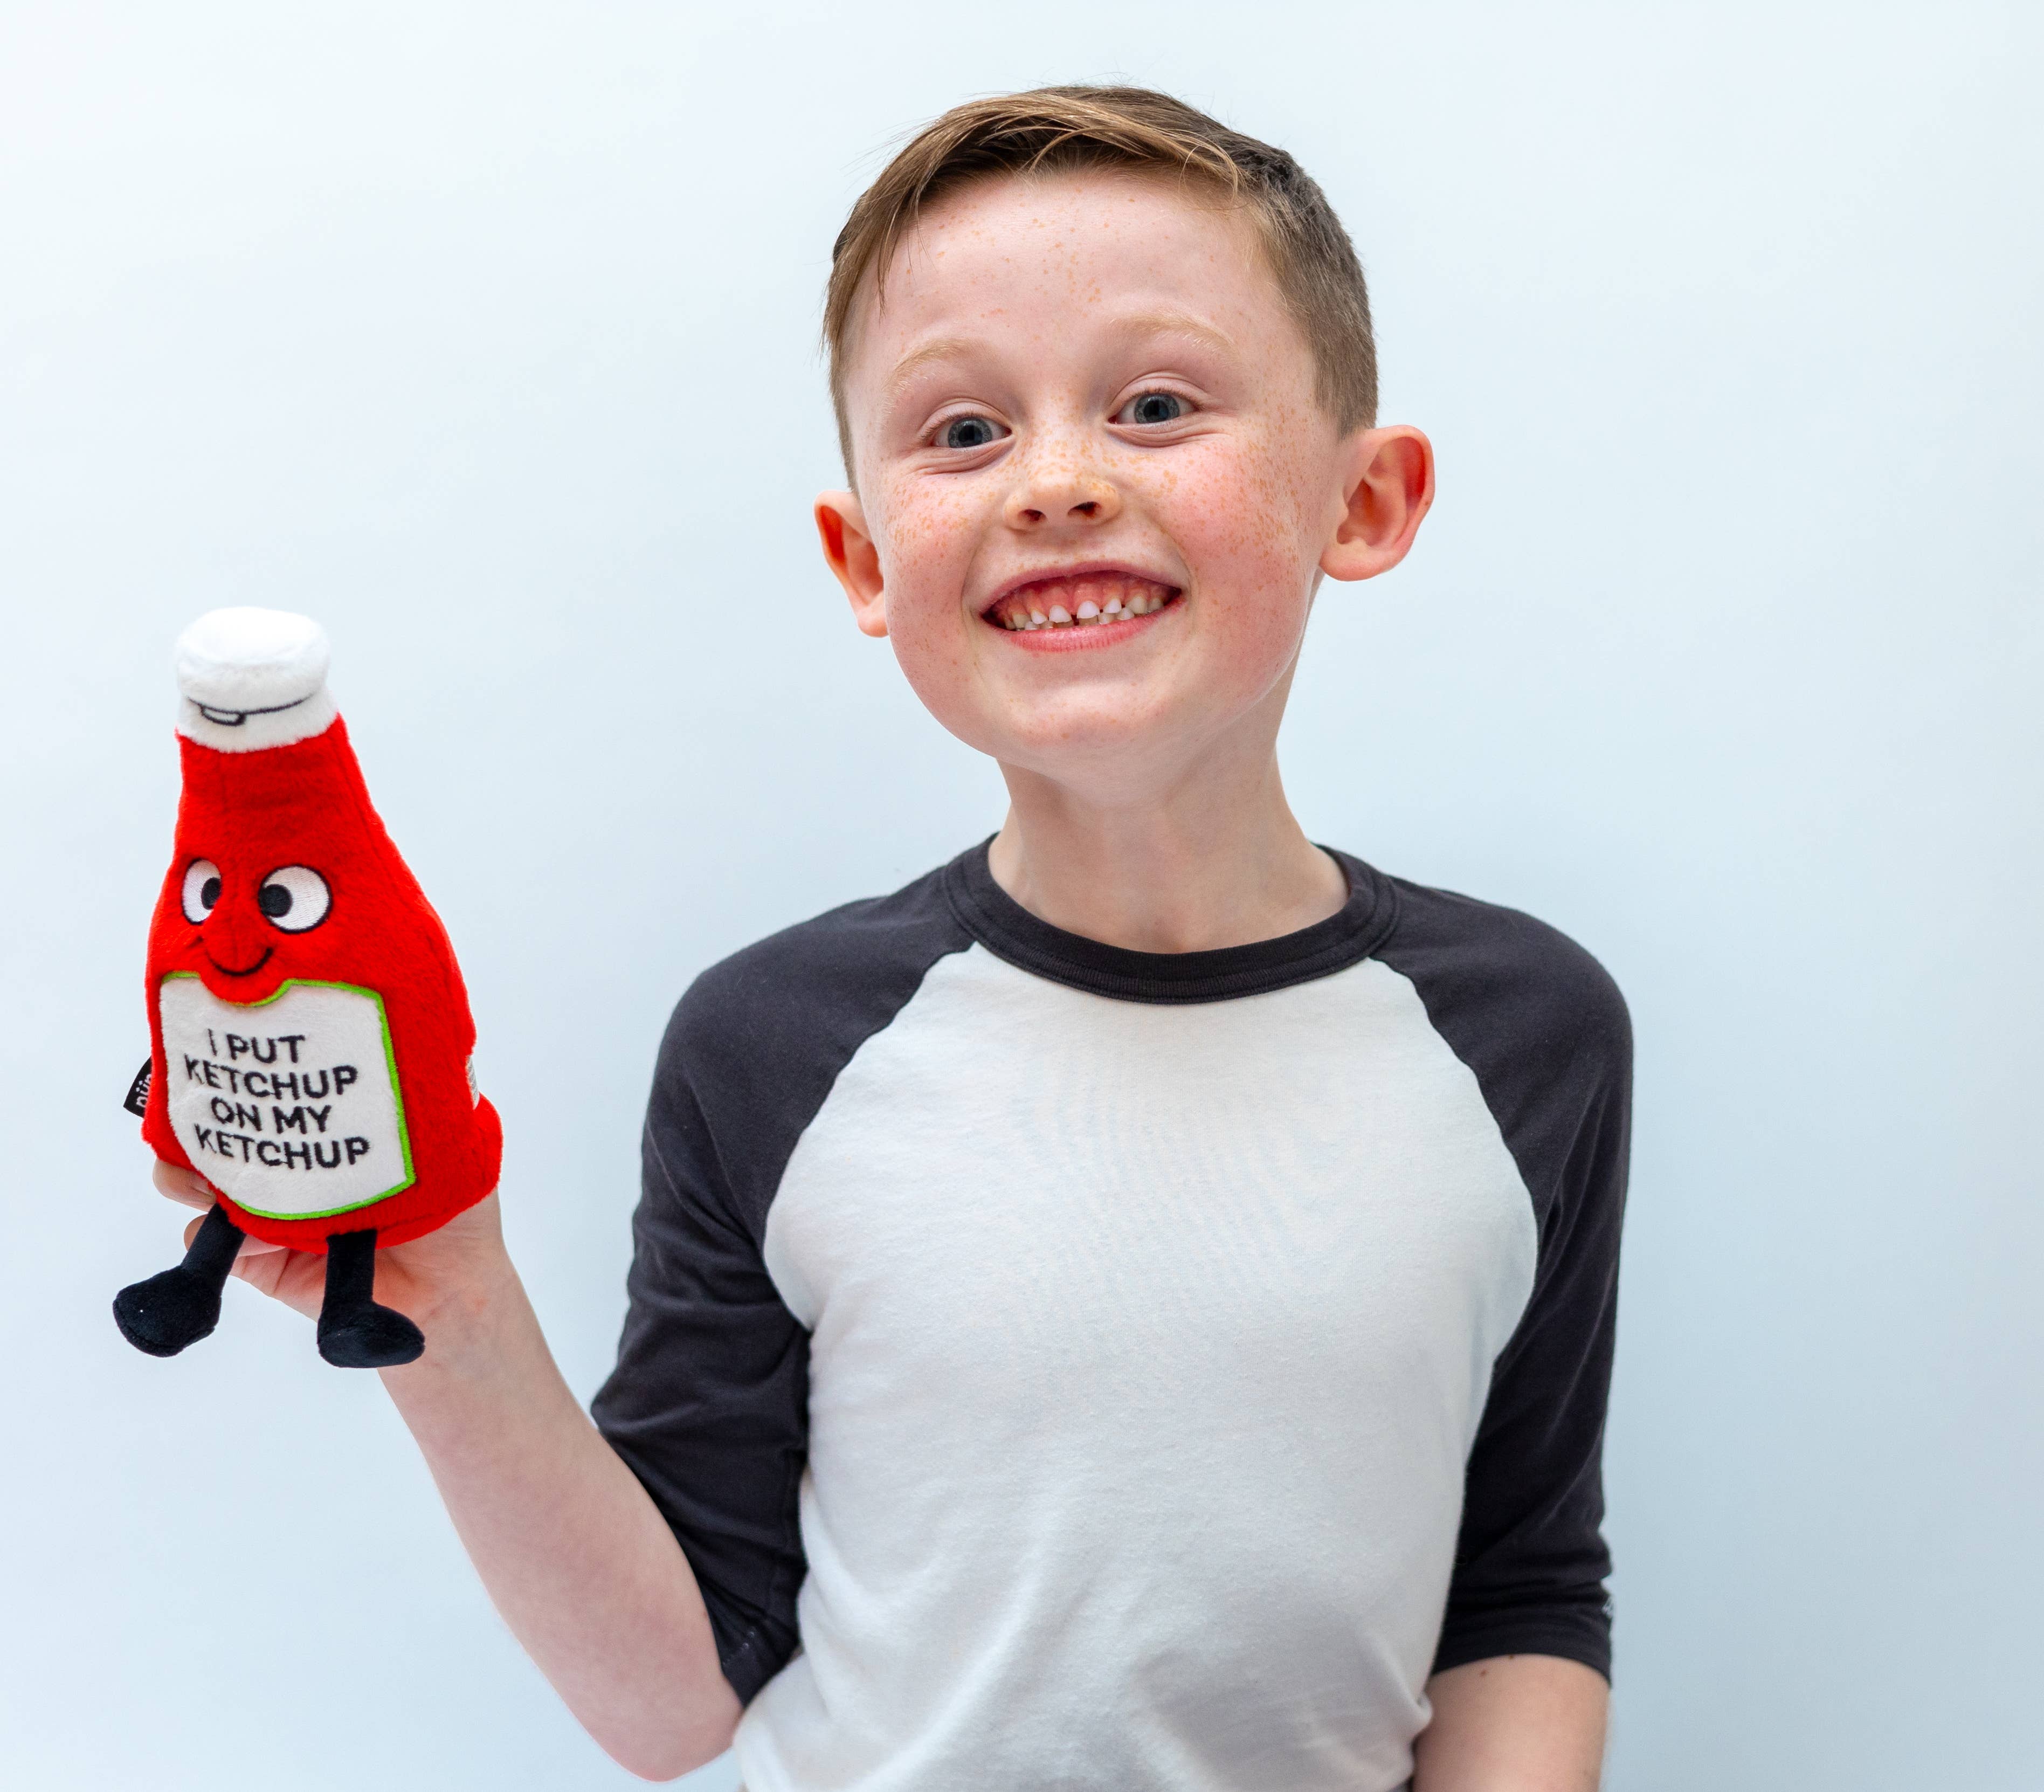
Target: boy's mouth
(1079, 600)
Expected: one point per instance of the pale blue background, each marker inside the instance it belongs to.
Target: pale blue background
(485, 333)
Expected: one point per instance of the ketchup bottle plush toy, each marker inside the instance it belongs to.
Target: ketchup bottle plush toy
(310, 1039)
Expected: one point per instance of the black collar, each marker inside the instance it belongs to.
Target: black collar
(1007, 930)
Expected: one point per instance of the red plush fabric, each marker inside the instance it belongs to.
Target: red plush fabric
(306, 803)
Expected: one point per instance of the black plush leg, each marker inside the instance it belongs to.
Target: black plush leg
(354, 1331)
(181, 1305)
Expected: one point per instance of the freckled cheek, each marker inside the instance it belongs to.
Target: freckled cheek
(1237, 521)
(926, 545)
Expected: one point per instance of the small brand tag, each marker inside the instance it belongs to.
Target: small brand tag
(138, 1092)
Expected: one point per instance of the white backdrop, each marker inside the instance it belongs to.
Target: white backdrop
(485, 333)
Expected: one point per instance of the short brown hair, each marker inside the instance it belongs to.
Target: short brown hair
(1052, 129)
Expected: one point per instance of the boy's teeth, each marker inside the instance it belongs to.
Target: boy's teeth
(1088, 601)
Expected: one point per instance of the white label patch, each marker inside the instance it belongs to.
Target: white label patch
(290, 1105)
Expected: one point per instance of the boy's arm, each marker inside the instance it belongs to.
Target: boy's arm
(573, 1551)
(575, 1556)
(1513, 1724)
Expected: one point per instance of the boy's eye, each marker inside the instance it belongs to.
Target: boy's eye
(295, 899)
(970, 433)
(202, 889)
(1153, 407)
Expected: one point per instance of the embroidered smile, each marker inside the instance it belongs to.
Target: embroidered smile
(246, 971)
(1079, 600)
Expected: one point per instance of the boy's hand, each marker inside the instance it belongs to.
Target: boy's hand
(416, 1278)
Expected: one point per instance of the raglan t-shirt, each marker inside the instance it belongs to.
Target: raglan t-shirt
(1068, 1367)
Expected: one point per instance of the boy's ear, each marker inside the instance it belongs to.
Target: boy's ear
(848, 547)
(1387, 487)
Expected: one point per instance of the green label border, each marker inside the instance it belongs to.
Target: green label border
(389, 1066)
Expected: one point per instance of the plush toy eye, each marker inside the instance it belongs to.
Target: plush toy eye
(202, 889)
(295, 899)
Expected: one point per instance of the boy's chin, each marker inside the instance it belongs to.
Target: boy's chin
(1126, 755)
(1114, 737)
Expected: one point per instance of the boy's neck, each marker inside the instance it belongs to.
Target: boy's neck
(1198, 869)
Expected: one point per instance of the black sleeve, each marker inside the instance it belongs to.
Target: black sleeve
(709, 1404)
(1546, 1032)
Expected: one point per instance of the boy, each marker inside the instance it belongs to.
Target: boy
(1133, 1308)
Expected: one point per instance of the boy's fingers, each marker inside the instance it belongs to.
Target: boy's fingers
(263, 1269)
(189, 1187)
(179, 1184)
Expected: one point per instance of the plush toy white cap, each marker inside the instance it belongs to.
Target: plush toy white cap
(251, 678)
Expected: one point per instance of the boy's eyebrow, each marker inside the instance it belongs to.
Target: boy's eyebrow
(1176, 323)
(941, 348)
(1139, 323)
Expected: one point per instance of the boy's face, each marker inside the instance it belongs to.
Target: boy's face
(1083, 397)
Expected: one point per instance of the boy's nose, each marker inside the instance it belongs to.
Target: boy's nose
(1076, 496)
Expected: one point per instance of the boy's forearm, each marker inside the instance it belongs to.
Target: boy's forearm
(573, 1553)
(1513, 1724)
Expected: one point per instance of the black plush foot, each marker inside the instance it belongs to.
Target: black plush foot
(181, 1305)
(168, 1311)
(369, 1336)
(354, 1331)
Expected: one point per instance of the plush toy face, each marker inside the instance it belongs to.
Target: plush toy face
(291, 899)
(274, 878)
